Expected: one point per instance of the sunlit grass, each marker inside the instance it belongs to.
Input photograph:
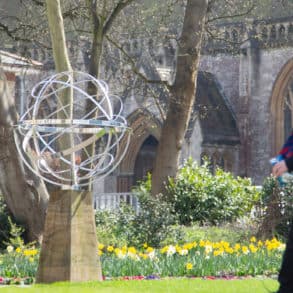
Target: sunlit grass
(163, 286)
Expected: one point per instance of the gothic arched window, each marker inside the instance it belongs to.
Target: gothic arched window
(145, 158)
(288, 108)
(273, 33)
(282, 107)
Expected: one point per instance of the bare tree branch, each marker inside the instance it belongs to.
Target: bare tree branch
(12, 33)
(73, 12)
(133, 65)
(158, 105)
(92, 7)
(39, 3)
(233, 15)
(119, 7)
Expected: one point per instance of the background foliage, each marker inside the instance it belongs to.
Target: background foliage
(196, 196)
(11, 233)
(199, 196)
(276, 206)
(153, 224)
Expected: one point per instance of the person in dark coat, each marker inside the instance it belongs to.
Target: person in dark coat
(286, 272)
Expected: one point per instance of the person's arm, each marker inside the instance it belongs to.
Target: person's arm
(280, 168)
(289, 164)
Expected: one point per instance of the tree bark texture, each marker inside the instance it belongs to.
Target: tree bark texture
(69, 248)
(56, 26)
(25, 194)
(95, 60)
(62, 63)
(182, 95)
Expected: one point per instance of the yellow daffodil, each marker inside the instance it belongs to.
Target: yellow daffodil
(252, 239)
(259, 243)
(149, 249)
(245, 249)
(229, 250)
(188, 246)
(101, 246)
(218, 252)
(252, 248)
(110, 248)
(124, 249)
(178, 248)
(132, 250)
(120, 253)
(189, 266)
(237, 247)
(30, 252)
(164, 249)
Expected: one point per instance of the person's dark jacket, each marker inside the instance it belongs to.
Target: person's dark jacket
(289, 164)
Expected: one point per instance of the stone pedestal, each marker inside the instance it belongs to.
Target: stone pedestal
(69, 247)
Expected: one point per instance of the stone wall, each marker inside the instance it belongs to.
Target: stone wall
(271, 62)
(226, 69)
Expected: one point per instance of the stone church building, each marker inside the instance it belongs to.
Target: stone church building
(243, 108)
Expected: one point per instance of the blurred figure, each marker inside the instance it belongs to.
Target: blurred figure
(286, 272)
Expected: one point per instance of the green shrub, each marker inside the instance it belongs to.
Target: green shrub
(199, 196)
(276, 208)
(10, 232)
(106, 223)
(4, 224)
(153, 224)
(230, 232)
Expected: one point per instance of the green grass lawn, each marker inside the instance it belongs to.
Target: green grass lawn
(162, 286)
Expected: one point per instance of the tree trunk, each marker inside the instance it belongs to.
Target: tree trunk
(182, 95)
(57, 33)
(94, 65)
(25, 194)
(62, 63)
(69, 250)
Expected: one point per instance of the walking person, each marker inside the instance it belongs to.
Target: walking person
(286, 272)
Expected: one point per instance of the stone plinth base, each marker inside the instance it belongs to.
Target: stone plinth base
(69, 247)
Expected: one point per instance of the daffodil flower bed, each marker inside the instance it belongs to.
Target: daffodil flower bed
(18, 266)
(203, 258)
(196, 259)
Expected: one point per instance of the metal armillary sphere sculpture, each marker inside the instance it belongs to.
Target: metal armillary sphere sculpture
(96, 146)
